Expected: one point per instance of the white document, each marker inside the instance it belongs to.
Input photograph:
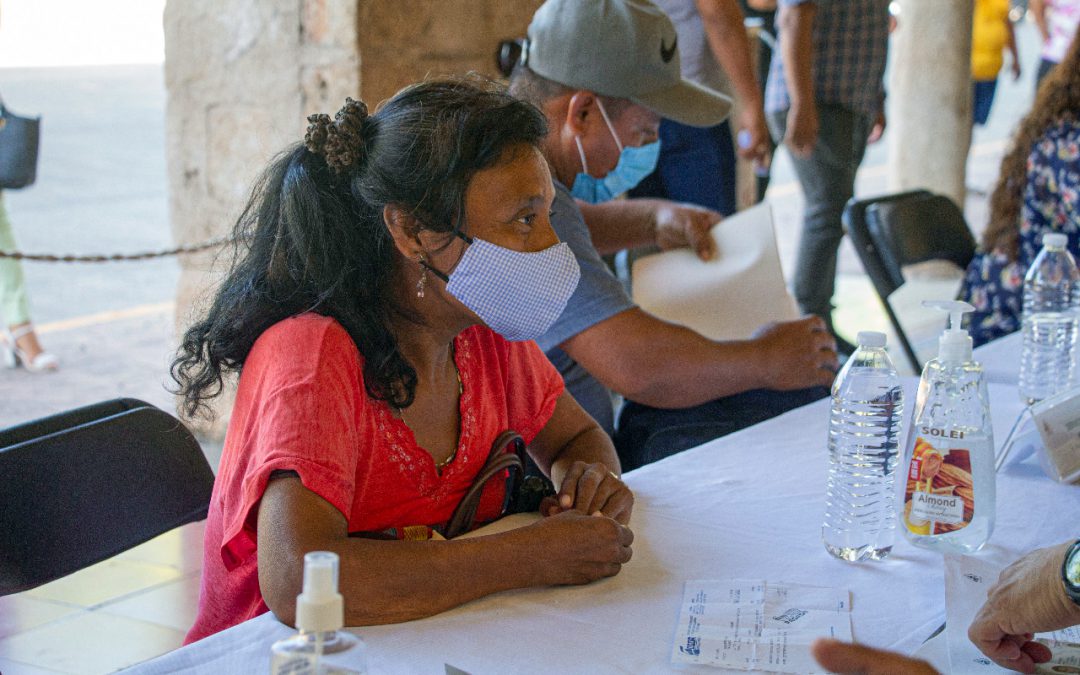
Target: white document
(967, 579)
(758, 625)
(726, 298)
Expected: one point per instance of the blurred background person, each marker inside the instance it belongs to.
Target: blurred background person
(991, 33)
(1057, 21)
(19, 343)
(697, 164)
(1038, 191)
(823, 100)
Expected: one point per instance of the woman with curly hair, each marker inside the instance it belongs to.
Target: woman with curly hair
(393, 271)
(1037, 192)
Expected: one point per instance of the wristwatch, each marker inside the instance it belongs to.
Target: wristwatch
(1070, 572)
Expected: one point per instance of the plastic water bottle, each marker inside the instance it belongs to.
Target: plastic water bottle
(1051, 297)
(864, 430)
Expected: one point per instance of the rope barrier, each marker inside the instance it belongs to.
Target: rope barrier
(119, 257)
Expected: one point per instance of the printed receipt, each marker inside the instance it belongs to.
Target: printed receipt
(758, 625)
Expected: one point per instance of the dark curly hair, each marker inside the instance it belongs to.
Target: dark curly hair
(312, 236)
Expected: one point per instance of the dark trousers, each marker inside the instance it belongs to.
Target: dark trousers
(647, 434)
(1044, 69)
(827, 177)
(696, 165)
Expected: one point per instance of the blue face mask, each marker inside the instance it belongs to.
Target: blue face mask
(633, 166)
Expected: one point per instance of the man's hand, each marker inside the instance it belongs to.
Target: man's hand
(1015, 69)
(802, 130)
(1028, 598)
(797, 354)
(594, 490)
(852, 659)
(680, 225)
(753, 136)
(878, 130)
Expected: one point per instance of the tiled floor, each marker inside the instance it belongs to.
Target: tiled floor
(109, 616)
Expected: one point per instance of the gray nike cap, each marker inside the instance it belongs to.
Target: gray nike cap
(623, 49)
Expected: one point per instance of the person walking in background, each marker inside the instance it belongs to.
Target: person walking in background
(697, 164)
(1057, 21)
(19, 344)
(765, 12)
(991, 32)
(18, 341)
(1038, 191)
(823, 100)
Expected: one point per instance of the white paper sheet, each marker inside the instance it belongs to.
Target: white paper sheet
(752, 624)
(726, 298)
(967, 579)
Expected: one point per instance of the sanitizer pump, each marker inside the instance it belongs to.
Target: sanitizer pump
(320, 615)
(948, 488)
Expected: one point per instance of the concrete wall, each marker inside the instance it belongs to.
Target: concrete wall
(242, 76)
(407, 40)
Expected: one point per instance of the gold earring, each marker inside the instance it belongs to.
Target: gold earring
(423, 278)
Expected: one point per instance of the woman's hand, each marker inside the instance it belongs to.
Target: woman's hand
(572, 548)
(591, 489)
(581, 461)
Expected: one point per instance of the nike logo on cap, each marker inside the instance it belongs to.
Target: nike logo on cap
(668, 53)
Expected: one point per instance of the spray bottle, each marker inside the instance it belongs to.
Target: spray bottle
(949, 493)
(320, 615)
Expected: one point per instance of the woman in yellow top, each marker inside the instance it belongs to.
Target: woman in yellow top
(991, 33)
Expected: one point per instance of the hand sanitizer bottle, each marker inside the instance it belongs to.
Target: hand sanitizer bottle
(949, 493)
(320, 615)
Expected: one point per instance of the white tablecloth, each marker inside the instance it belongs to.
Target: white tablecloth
(748, 505)
(1001, 359)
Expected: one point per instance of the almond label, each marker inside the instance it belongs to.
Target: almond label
(939, 497)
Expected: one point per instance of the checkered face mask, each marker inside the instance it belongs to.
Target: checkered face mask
(518, 295)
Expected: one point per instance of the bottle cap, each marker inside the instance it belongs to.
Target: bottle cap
(871, 339)
(320, 607)
(1055, 240)
(955, 343)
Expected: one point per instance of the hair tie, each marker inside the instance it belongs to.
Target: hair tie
(340, 142)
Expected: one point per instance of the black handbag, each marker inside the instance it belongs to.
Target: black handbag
(18, 148)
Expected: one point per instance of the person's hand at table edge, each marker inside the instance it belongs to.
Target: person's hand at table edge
(1029, 597)
(848, 658)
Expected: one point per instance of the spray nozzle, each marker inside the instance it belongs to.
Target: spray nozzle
(955, 343)
(320, 607)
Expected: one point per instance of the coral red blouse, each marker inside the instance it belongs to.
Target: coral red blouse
(301, 406)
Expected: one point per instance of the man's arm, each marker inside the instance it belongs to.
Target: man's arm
(796, 23)
(724, 29)
(1038, 9)
(1011, 44)
(629, 223)
(668, 366)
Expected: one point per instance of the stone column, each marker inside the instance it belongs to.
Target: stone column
(929, 104)
(242, 76)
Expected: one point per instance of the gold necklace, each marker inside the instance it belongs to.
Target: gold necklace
(439, 466)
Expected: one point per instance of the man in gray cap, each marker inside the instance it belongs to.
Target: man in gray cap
(604, 72)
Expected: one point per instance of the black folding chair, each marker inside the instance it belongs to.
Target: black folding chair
(901, 229)
(84, 485)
